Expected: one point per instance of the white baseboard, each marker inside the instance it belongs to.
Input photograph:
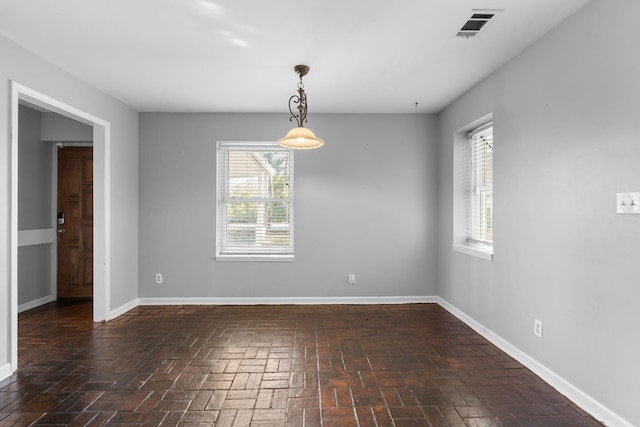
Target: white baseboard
(5, 371)
(288, 300)
(123, 309)
(35, 303)
(577, 396)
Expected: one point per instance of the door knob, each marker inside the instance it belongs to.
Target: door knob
(61, 231)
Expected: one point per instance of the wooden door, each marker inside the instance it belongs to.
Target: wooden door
(75, 222)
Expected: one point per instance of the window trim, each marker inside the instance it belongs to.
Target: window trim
(462, 238)
(287, 254)
(474, 249)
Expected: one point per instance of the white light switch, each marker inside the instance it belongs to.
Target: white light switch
(628, 203)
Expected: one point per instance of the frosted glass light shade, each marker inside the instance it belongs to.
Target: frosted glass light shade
(300, 138)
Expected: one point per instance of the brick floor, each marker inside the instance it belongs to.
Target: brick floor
(329, 365)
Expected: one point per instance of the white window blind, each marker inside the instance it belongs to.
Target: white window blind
(255, 200)
(481, 185)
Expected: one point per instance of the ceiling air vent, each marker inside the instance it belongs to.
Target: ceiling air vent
(478, 20)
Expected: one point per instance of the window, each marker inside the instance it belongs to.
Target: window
(473, 191)
(254, 201)
(481, 185)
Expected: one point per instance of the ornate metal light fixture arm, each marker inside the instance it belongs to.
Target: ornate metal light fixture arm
(301, 101)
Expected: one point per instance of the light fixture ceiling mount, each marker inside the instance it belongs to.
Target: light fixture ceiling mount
(302, 70)
(300, 137)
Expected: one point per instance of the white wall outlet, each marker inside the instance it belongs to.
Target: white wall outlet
(159, 278)
(352, 279)
(537, 328)
(628, 203)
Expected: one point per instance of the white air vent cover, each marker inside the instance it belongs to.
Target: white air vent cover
(477, 22)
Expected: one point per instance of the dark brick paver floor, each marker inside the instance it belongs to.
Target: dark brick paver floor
(302, 365)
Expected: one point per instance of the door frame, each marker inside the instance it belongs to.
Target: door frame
(102, 204)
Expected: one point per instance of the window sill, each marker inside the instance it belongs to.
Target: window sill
(257, 258)
(479, 251)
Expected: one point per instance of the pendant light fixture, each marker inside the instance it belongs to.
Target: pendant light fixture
(300, 137)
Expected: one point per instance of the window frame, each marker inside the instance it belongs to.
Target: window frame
(465, 198)
(229, 253)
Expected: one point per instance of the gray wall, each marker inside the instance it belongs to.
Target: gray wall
(24, 67)
(34, 173)
(566, 115)
(363, 205)
(60, 128)
(34, 272)
(34, 206)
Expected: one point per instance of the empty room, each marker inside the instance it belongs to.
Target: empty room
(295, 213)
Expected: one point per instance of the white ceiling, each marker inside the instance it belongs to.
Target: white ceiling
(366, 56)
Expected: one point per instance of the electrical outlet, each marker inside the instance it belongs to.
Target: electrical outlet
(352, 279)
(537, 328)
(159, 278)
(628, 203)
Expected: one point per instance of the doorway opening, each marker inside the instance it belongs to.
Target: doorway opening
(100, 206)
